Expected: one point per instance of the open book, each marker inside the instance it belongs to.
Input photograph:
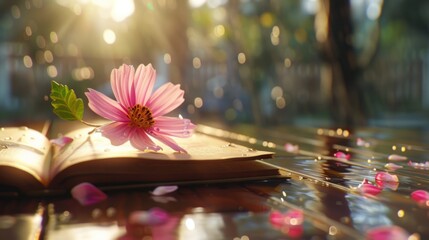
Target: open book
(28, 161)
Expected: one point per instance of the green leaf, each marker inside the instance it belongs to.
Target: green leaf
(66, 105)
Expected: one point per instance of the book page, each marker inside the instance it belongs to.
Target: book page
(200, 147)
(25, 149)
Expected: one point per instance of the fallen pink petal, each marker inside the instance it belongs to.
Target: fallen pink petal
(387, 184)
(417, 165)
(396, 157)
(362, 143)
(291, 217)
(162, 190)
(137, 112)
(368, 188)
(292, 148)
(342, 155)
(392, 166)
(420, 196)
(61, 141)
(87, 194)
(154, 216)
(387, 233)
(386, 177)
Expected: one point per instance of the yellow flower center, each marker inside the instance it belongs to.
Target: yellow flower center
(140, 116)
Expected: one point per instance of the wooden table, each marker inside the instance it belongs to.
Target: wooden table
(322, 187)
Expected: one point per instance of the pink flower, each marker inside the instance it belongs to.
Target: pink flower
(420, 196)
(87, 194)
(137, 113)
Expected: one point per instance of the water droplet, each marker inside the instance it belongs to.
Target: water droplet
(251, 150)
(300, 178)
(24, 128)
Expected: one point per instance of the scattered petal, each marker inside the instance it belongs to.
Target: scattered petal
(61, 141)
(154, 216)
(386, 177)
(342, 155)
(290, 223)
(87, 194)
(417, 165)
(391, 185)
(362, 143)
(162, 190)
(292, 217)
(392, 166)
(367, 188)
(396, 157)
(420, 196)
(387, 233)
(292, 148)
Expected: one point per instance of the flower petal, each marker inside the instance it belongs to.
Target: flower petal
(165, 99)
(122, 81)
(162, 190)
(176, 127)
(292, 148)
(387, 233)
(392, 166)
(420, 196)
(386, 177)
(367, 188)
(144, 81)
(168, 141)
(342, 155)
(155, 216)
(417, 165)
(87, 194)
(117, 132)
(140, 140)
(105, 106)
(61, 141)
(396, 157)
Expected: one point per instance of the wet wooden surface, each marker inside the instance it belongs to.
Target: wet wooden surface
(324, 188)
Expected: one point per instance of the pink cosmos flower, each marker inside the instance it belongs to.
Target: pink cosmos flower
(137, 113)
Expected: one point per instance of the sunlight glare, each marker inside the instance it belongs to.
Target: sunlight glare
(109, 36)
(122, 9)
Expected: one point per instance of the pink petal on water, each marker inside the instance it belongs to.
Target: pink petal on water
(154, 216)
(420, 196)
(392, 185)
(386, 177)
(292, 217)
(292, 148)
(396, 157)
(362, 143)
(276, 218)
(392, 166)
(162, 190)
(367, 188)
(387, 233)
(87, 194)
(61, 141)
(417, 165)
(342, 155)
